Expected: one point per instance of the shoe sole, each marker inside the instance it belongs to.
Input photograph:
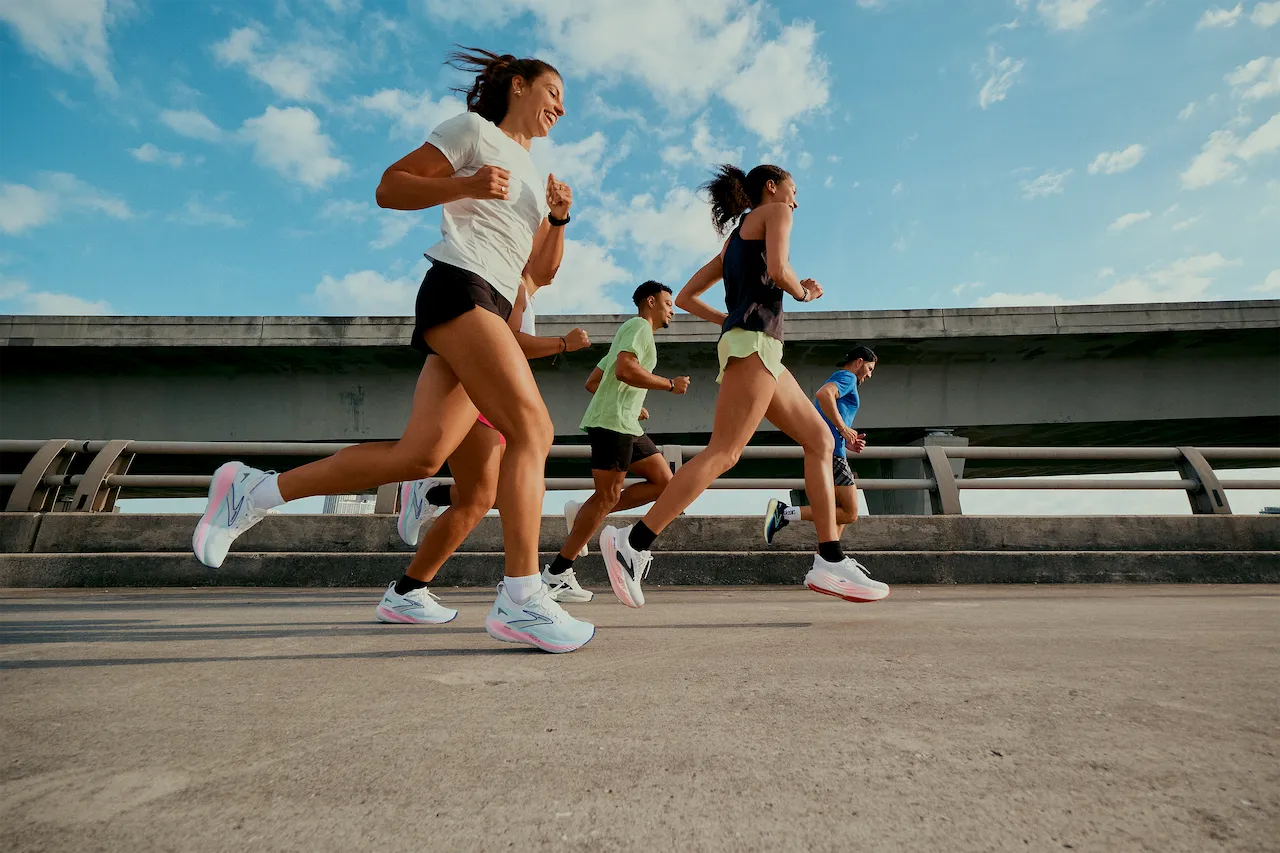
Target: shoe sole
(609, 550)
(569, 521)
(768, 517)
(843, 597)
(387, 615)
(506, 634)
(223, 479)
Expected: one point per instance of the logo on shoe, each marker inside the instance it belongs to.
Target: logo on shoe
(534, 619)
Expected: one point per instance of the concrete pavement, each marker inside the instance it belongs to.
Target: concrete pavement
(1103, 718)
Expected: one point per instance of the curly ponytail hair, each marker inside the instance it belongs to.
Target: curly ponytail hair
(734, 192)
(488, 94)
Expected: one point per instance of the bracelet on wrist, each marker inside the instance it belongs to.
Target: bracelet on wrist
(556, 222)
(671, 385)
(564, 345)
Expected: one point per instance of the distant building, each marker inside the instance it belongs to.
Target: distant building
(1271, 510)
(350, 504)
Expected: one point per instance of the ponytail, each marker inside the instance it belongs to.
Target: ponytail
(488, 94)
(734, 192)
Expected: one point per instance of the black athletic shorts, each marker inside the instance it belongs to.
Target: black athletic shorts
(447, 292)
(841, 472)
(617, 451)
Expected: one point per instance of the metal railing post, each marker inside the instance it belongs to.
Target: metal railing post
(388, 497)
(93, 494)
(31, 493)
(674, 456)
(945, 496)
(1208, 498)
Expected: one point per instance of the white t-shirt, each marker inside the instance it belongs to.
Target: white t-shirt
(526, 319)
(489, 237)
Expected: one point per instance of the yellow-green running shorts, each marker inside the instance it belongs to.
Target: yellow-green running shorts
(739, 343)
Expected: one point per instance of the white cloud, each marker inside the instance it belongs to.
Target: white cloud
(1050, 183)
(1107, 272)
(393, 229)
(194, 212)
(1266, 15)
(41, 302)
(1001, 76)
(1187, 279)
(580, 286)
(703, 149)
(413, 116)
(346, 209)
(295, 71)
(1187, 111)
(1257, 79)
(1113, 162)
(191, 123)
(366, 293)
(1220, 17)
(1272, 282)
(290, 142)
(393, 226)
(1066, 14)
(581, 165)
(1184, 224)
(829, 181)
(1213, 163)
(1128, 219)
(68, 33)
(967, 285)
(149, 153)
(673, 234)
(23, 207)
(898, 189)
(683, 53)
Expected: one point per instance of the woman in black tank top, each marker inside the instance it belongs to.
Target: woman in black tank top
(755, 266)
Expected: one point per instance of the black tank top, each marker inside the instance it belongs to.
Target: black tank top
(752, 300)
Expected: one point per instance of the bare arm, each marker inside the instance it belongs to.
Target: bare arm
(593, 381)
(628, 370)
(548, 243)
(424, 178)
(536, 346)
(777, 247)
(826, 397)
(688, 298)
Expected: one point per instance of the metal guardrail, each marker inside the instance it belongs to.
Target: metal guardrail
(39, 487)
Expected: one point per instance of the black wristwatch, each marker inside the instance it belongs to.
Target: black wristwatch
(558, 223)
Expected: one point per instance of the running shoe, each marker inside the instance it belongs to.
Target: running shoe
(627, 566)
(570, 517)
(846, 579)
(230, 512)
(419, 607)
(564, 587)
(773, 519)
(416, 511)
(539, 622)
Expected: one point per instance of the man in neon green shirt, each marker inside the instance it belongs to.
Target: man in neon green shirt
(618, 444)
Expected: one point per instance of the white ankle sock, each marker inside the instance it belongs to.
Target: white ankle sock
(791, 513)
(522, 589)
(266, 495)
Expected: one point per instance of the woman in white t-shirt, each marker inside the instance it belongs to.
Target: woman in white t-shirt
(499, 225)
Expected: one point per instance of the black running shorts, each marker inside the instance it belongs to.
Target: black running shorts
(448, 292)
(617, 451)
(841, 472)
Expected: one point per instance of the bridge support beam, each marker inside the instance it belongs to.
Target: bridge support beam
(945, 501)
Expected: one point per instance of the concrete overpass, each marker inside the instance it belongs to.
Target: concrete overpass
(1170, 374)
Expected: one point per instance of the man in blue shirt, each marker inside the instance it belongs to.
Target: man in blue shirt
(837, 401)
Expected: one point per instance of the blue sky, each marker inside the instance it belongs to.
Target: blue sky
(184, 158)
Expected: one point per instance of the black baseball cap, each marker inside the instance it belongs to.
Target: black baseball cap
(857, 352)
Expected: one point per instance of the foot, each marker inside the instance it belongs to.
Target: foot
(570, 517)
(627, 566)
(773, 519)
(419, 607)
(846, 579)
(230, 512)
(416, 511)
(539, 622)
(564, 587)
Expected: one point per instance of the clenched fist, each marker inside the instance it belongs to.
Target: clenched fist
(559, 197)
(489, 183)
(680, 384)
(576, 340)
(815, 289)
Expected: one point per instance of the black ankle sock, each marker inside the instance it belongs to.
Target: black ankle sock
(830, 551)
(641, 537)
(407, 584)
(560, 565)
(438, 495)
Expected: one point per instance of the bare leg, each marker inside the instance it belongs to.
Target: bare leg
(594, 510)
(792, 412)
(475, 467)
(439, 420)
(744, 397)
(483, 352)
(846, 508)
(656, 473)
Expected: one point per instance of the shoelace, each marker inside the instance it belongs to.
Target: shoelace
(644, 559)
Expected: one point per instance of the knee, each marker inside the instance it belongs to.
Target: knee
(821, 443)
(534, 430)
(609, 497)
(473, 509)
(418, 467)
(723, 458)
